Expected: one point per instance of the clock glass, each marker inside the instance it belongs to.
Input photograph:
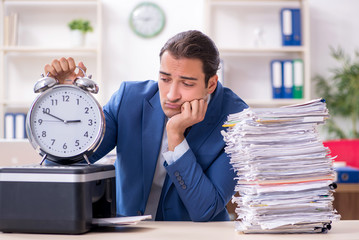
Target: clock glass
(66, 121)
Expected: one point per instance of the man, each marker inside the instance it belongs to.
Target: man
(170, 153)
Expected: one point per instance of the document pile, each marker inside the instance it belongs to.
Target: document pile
(284, 174)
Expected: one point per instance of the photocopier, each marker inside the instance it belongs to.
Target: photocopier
(60, 199)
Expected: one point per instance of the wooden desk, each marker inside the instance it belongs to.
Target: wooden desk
(346, 201)
(342, 230)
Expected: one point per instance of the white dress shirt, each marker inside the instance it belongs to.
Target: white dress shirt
(160, 172)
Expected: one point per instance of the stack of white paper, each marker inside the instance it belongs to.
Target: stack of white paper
(119, 221)
(284, 174)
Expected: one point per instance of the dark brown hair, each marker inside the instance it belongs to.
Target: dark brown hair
(195, 45)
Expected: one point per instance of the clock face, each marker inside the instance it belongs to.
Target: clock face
(65, 122)
(147, 20)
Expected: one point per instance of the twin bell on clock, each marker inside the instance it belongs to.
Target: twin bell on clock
(65, 123)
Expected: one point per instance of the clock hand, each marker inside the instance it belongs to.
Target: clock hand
(65, 121)
(54, 116)
(49, 120)
(72, 121)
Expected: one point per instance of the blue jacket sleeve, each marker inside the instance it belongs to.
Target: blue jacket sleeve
(204, 193)
(111, 112)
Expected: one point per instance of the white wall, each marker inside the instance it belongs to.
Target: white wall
(127, 57)
(333, 23)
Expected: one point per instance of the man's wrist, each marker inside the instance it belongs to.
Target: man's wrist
(173, 156)
(174, 139)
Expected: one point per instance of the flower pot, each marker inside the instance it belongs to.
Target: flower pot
(77, 38)
(346, 150)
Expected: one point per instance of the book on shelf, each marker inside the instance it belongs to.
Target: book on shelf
(276, 78)
(346, 174)
(291, 26)
(11, 29)
(287, 78)
(14, 125)
(298, 78)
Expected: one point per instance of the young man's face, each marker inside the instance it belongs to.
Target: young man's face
(182, 80)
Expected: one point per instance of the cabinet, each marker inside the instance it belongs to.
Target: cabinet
(248, 37)
(43, 35)
(346, 201)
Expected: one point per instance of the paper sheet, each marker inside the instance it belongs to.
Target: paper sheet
(119, 221)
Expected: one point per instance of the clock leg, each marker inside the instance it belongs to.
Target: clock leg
(43, 158)
(87, 160)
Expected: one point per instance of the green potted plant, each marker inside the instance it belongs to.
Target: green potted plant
(79, 28)
(341, 92)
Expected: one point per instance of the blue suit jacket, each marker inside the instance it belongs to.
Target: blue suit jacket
(198, 185)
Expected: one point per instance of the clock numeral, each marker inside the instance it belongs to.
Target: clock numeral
(78, 101)
(65, 98)
(39, 121)
(64, 146)
(77, 143)
(86, 134)
(46, 110)
(90, 122)
(54, 102)
(52, 141)
(87, 110)
(43, 134)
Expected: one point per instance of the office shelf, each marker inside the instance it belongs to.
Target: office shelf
(246, 65)
(43, 35)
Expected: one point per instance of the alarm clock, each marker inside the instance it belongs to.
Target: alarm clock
(65, 124)
(147, 19)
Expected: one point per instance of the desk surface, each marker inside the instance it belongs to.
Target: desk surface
(347, 187)
(342, 230)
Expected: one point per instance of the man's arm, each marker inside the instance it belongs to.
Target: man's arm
(204, 193)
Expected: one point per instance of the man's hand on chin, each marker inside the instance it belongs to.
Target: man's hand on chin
(191, 113)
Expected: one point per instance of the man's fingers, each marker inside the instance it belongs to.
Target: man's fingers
(71, 63)
(186, 107)
(64, 70)
(82, 66)
(199, 108)
(194, 108)
(64, 64)
(49, 69)
(57, 66)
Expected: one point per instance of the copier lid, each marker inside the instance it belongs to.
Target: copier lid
(59, 173)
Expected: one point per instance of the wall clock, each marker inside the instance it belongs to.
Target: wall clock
(147, 19)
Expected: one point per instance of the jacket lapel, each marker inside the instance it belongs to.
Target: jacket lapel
(152, 131)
